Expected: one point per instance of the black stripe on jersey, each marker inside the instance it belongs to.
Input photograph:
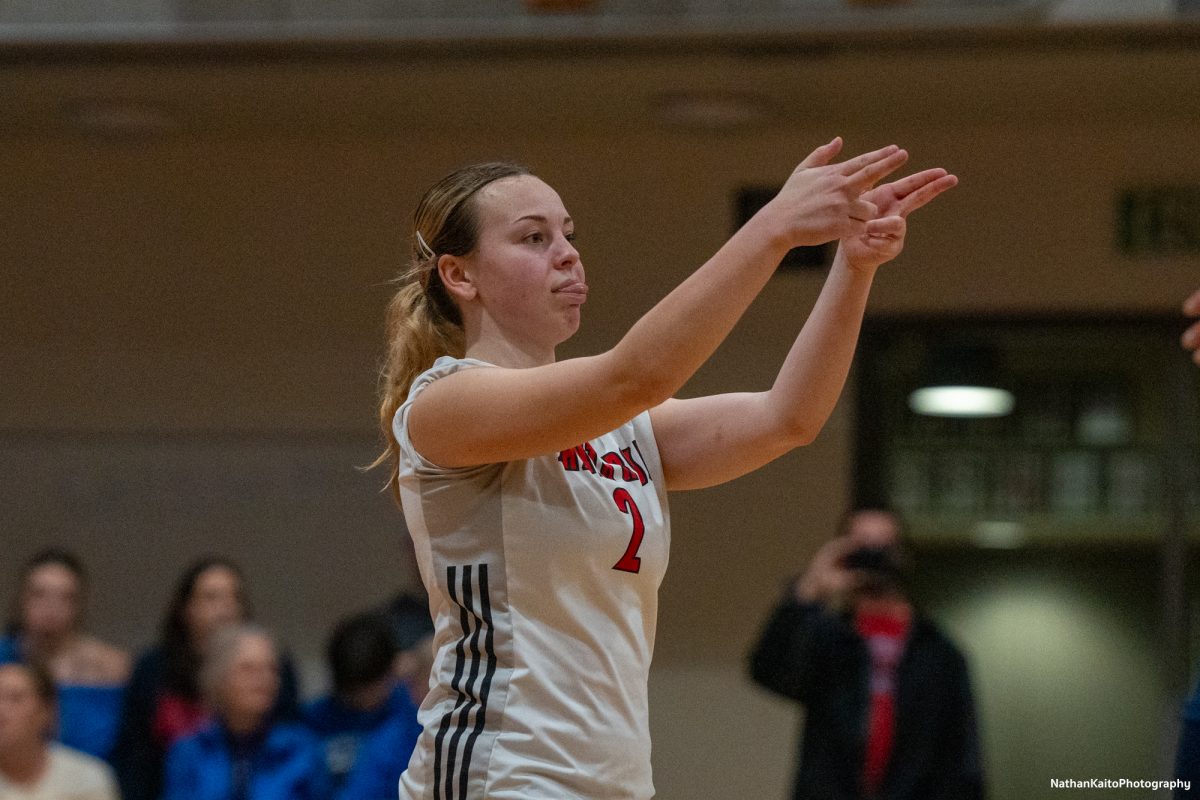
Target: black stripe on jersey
(472, 623)
(485, 604)
(459, 663)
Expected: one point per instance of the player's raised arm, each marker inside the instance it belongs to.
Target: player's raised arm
(518, 286)
(709, 440)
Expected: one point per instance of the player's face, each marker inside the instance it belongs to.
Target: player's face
(527, 271)
(50, 601)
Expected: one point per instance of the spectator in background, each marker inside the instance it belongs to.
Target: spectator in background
(1191, 337)
(412, 630)
(383, 757)
(889, 713)
(245, 753)
(31, 767)
(366, 695)
(412, 627)
(46, 629)
(164, 702)
(1187, 756)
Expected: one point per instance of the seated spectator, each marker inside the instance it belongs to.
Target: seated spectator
(366, 692)
(163, 702)
(376, 773)
(31, 767)
(412, 629)
(46, 629)
(244, 753)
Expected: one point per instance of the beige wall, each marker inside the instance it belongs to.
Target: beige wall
(232, 282)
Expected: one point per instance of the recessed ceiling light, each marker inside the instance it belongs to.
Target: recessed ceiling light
(961, 401)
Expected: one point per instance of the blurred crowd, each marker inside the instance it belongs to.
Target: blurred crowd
(211, 711)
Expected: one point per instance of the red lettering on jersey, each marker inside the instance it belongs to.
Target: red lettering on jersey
(642, 477)
(581, 456)
(569, 459)
(614, 460)
(588, 454)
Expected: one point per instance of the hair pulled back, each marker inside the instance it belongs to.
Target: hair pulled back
(423, 322)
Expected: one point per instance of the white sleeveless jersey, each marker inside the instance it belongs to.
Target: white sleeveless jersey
(543, 580)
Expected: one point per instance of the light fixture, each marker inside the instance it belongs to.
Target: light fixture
(960, 381)
(1000, 534)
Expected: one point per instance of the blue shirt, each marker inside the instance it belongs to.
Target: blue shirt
(88, 716)
(376, 773)
(343, 730)
(284, 764)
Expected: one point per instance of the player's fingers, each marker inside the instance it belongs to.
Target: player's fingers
(869, 175)
(887, 227)
(863, 210)
(823, 154)
(1191, 337)
(907, 185)
(921, 196)
(1191, 306)
(855, 164)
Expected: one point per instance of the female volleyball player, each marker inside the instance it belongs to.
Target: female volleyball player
(535, 490)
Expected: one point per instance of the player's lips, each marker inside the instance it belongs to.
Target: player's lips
(573, 290)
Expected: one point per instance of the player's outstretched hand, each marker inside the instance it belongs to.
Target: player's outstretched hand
(1191, 337)
(823, 201)
(883, 237)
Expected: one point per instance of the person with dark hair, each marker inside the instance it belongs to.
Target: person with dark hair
(46, 628)
(244, 752)
(535, 490)
(408, 614)
(366, 694)
(889, 712)
(412, 631)
(163, 702)
(31, 767)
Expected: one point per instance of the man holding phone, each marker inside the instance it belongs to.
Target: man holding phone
(889, 713)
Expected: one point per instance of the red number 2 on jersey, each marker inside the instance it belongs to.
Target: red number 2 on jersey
(630, 562)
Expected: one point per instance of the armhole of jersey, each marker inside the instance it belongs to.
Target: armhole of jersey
(444, 366)
(649, 447)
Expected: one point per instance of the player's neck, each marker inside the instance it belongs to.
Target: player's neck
(504, 352)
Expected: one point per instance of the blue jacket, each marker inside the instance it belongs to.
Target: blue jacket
(376, 773)
(343, 730)
(285, 765)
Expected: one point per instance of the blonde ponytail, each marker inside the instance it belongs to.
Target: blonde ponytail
(423, 322)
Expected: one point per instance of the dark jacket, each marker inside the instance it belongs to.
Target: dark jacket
(816, 657)
(139, 755)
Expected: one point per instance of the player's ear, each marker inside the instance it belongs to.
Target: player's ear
(457, 277)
